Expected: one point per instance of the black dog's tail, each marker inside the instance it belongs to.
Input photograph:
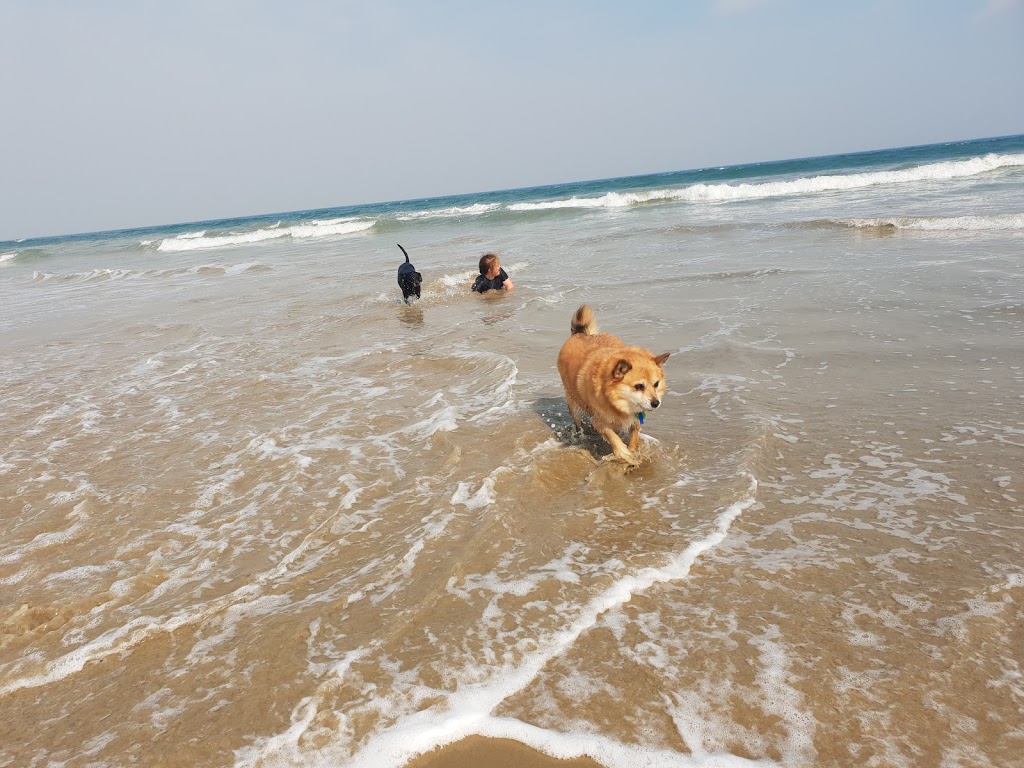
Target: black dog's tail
(403, 251)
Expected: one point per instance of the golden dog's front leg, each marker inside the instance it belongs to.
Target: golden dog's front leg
(634, 436)
(619, 448)
(576, 412)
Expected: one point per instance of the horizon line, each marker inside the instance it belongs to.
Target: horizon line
(219, 220)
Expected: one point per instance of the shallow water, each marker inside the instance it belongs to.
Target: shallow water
(258, 512)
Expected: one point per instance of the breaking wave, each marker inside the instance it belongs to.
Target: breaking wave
(714, 193)
(453, 211)
(196, 241)
(1012, 222)
(103, 275)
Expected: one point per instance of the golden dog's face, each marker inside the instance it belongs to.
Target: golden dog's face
(637, 382)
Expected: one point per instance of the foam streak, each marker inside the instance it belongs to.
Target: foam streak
(428, 729)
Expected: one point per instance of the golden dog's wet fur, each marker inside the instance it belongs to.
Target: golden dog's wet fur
(610, 382)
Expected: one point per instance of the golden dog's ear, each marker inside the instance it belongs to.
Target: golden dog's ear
(621, 369)
(660, 359)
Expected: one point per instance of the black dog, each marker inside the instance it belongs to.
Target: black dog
(409, 279)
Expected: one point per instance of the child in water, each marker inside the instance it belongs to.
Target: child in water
(492, 276)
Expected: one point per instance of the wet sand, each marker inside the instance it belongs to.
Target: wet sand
(262, 516)
(478, 752)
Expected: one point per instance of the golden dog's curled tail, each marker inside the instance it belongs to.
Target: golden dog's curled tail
(583, 321)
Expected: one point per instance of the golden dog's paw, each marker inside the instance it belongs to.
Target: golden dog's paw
(629, 459)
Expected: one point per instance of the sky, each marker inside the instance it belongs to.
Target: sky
(131, 113)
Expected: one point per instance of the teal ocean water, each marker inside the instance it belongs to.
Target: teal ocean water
(257, 511)
(832, 184)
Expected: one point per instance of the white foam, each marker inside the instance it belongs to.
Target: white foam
(79, 574)
(7, 258)
(196, 241)
(484, 496)
(455, 211)
(701, 714)
(1007, 222)
(565, 746)
(460, 280)
(113, 642)
(913, 603)
(52, 538)
(206, 650)
(160, 715)
(468, 710)
(443, 420)
(93, 275)
(559, 569)
(778, 697)
(874, 461)
(329, 228)
(865, 639)
(609, 200)
(217, 485)
(104, 274)
(97, 743)
(458, 283)
(224, 611)
(487, 396)
(713, 193)
(267, 448)
(715, 386)
(237, 269)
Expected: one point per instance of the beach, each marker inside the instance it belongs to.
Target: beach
(257, 511)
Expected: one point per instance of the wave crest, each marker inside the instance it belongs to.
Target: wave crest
(197, 241)
(1011, 222)
(439, 213)
(102, 275)
(718, 193)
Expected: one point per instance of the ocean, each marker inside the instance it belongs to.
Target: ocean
(257, 511)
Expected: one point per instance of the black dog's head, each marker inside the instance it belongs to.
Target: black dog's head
(408, 279)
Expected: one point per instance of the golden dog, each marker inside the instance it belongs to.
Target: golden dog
(612, 383)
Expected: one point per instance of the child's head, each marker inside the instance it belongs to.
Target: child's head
(489, 264)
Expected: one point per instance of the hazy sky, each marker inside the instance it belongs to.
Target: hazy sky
(119, 113)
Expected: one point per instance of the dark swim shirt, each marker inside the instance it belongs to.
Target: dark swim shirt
(483, 285)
